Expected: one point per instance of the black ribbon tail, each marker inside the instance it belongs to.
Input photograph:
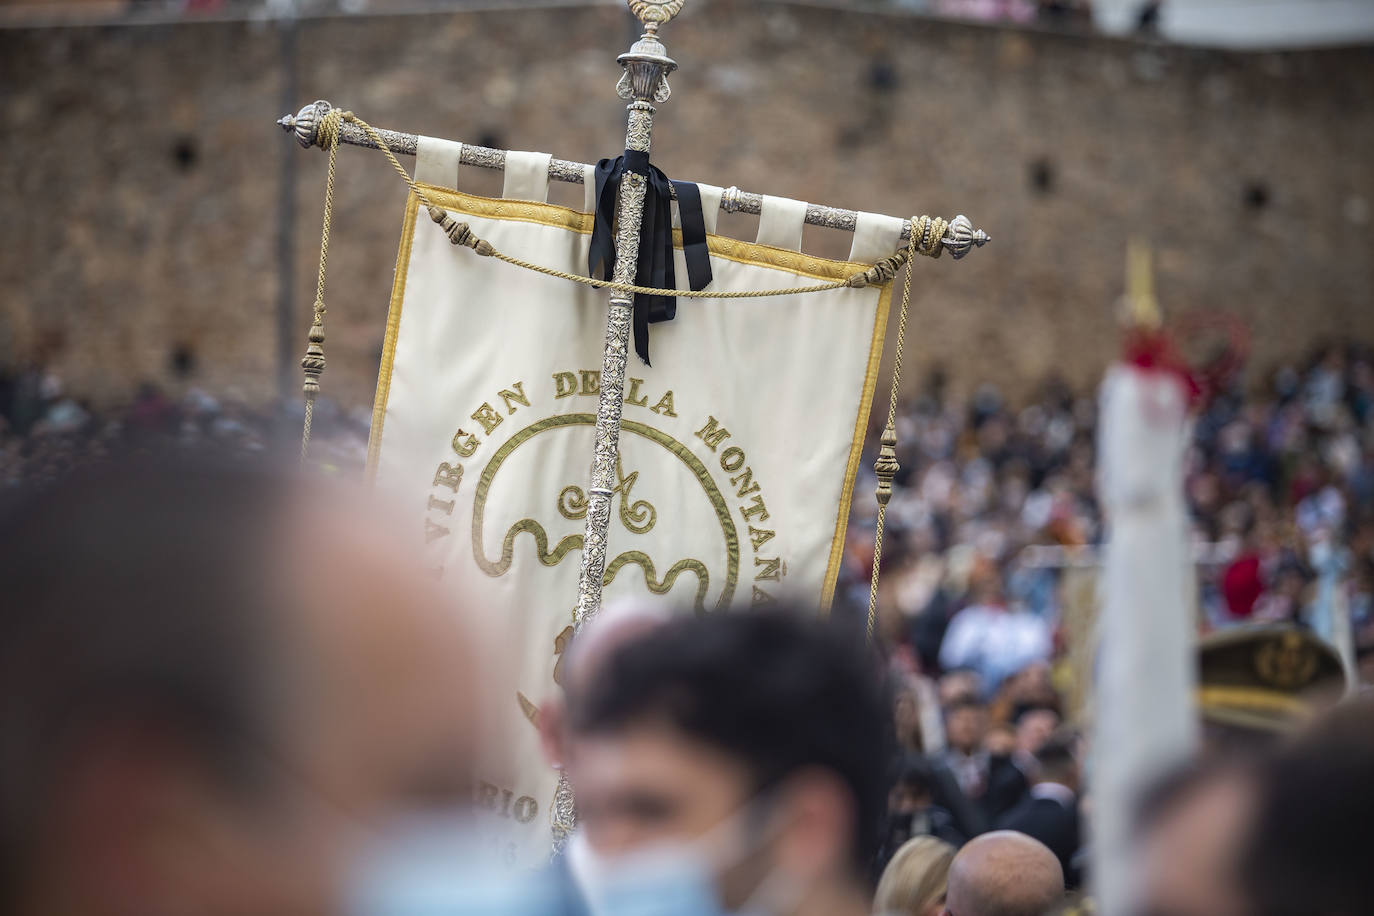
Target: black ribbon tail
(601, 254)
(694, 248)
(654, 262)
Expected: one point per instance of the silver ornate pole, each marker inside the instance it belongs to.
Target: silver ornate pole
(644, 82)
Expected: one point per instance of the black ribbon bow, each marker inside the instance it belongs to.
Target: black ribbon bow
(655, 267)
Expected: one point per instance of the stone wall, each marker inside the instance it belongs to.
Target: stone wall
(141, 180)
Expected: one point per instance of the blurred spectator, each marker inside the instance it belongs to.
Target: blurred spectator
(1029, 688)
(1280, 832)
(906, 714)
(747, 750)
(1013, 765)
(959, 684)
(1307, 850)
(214, 687)
(1242, 583)
(965, 725)
(1034, 726)
(1050, 812)
(915, 881)
(1191, 829)
(912, 810)
(993, 640)
(1003, 873)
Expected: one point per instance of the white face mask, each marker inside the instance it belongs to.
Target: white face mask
(680, 878)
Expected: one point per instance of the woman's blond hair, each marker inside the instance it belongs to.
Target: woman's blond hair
(916, 877)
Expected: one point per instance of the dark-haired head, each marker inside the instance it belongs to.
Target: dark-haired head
(776, 716)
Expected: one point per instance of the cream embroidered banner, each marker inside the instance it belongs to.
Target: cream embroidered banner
(739, 446)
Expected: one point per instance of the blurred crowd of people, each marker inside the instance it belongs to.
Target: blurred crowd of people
(46, 432)
(994, 512)
(994, 506)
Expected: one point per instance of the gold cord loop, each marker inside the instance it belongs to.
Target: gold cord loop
(886, 465)
(313, 363)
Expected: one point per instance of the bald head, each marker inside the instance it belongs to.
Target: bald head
(1004, 873)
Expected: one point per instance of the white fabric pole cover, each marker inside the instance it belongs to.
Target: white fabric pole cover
(526, 176)
(875, 237)
(1143, 716)
(437, 161)
(781, 221)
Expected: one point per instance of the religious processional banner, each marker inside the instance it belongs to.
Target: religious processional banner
(739, 445)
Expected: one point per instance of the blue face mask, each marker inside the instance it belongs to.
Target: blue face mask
(669, 881)
(680, 879)
(435, 866)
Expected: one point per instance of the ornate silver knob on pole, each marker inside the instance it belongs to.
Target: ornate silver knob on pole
(305, 124)
(961, 238)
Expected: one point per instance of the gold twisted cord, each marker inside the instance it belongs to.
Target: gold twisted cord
(886, 465)
(313, 362)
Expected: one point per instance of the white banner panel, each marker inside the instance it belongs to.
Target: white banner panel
(739, 445)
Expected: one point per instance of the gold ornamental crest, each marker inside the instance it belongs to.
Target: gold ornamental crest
(647, 11)
(1286, 662)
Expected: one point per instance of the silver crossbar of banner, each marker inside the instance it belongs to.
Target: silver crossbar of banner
(958, 240)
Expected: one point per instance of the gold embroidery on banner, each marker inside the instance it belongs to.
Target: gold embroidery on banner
(638, 516)
(541, 544)
(641, 559)
(530, 711)
(560, 646)
(572, 503)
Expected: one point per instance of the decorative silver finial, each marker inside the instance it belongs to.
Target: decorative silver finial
(961, 238)
(654, 13)
(306, 122)
(647, 63)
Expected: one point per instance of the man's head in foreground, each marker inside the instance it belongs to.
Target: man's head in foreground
(1308, 851)
(1282, 835)
(753, 743)
(215, 683)
(1004, 873)
(1192, 825)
